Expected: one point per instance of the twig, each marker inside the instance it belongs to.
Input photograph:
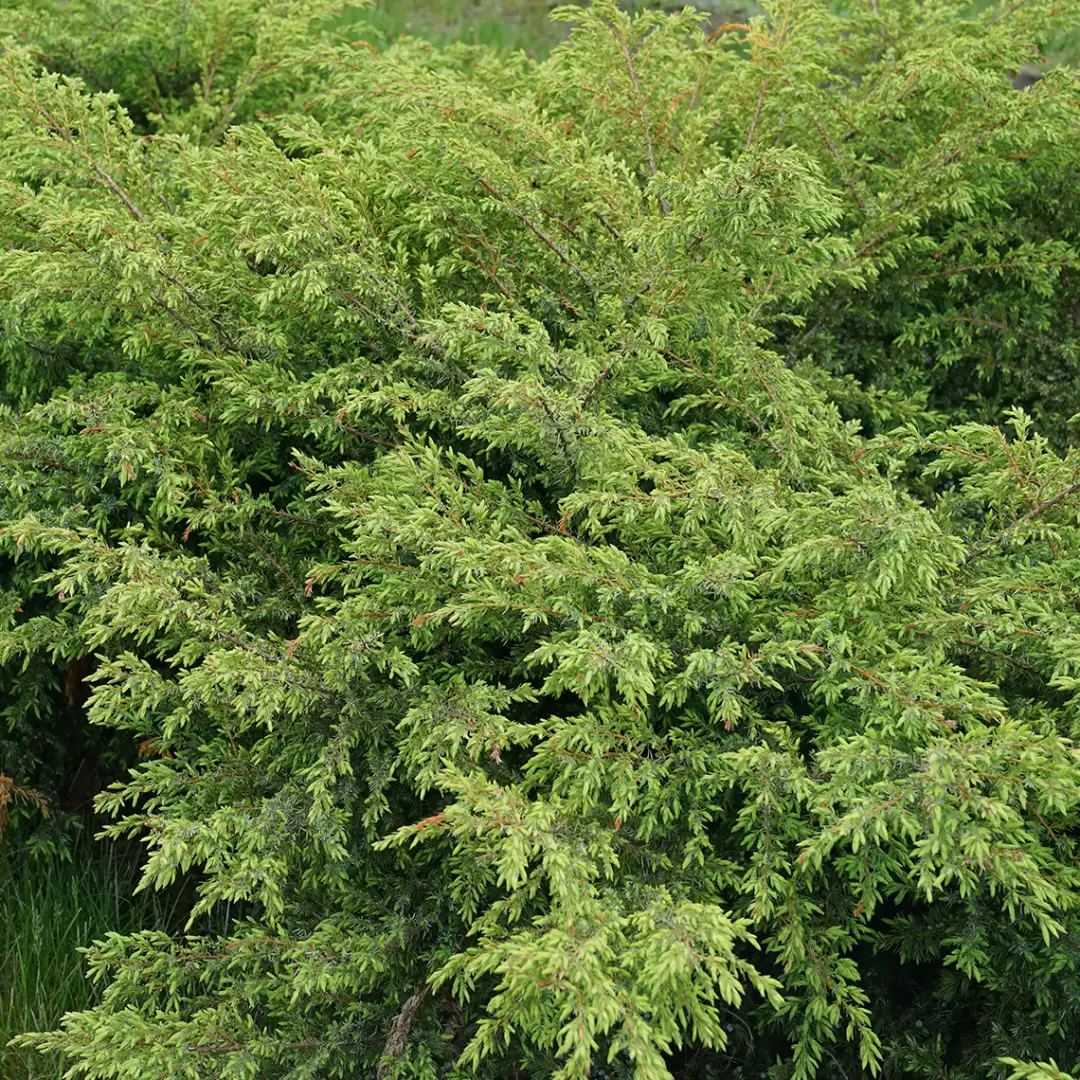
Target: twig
(57, 127)
(398, 1037)
(1008, 11)
(530, 225)
(644, 114)
(757, 114)
(1035, 512)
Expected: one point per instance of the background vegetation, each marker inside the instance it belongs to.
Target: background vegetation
(526, 26)
(53, 906)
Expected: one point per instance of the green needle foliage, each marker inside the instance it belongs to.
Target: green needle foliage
(533, 519)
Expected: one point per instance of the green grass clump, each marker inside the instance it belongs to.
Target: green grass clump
(522, 25)
(513, 25)
(51, 906)
(526, 24)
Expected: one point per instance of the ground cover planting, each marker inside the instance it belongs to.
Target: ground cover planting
(568, 563)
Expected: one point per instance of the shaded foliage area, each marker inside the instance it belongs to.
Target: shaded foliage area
(537, 524)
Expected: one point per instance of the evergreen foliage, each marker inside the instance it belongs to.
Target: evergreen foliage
(533, 520)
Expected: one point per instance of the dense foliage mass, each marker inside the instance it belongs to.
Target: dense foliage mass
(572, 541)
